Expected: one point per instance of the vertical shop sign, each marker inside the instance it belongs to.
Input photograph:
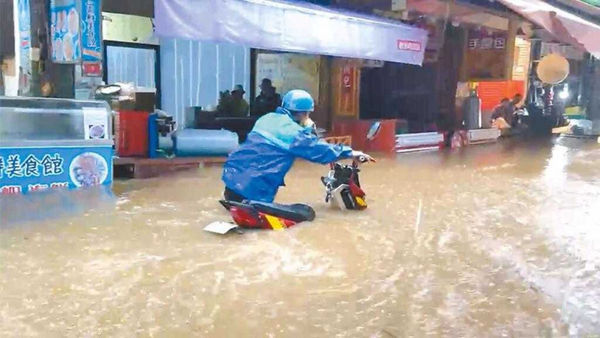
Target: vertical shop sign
(91, 37)
(347, 79)
(64, 31)
(347, 92)
(24, 12)
(521, 59)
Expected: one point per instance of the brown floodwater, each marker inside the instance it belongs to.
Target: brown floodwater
(496, 240)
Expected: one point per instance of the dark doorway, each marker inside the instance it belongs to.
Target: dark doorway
(399, 91)
(423, 96)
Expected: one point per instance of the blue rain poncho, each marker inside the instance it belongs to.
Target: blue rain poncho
(257, 169)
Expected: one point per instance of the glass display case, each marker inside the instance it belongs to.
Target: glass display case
(54, 143)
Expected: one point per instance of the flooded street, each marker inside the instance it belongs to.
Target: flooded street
(498, 240)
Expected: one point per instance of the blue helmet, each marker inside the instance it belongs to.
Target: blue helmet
(298, 101)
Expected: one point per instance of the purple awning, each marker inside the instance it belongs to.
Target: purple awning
(293, 27)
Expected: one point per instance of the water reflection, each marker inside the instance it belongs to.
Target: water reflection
(473, 243)
(555, 174)
(53, 205)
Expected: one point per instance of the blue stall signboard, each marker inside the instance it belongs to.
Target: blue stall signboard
(24, 170)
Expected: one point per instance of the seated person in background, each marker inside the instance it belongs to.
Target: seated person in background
(514, 103)
(267, 101)
(233, 105)
(514, 106)
(502, 115)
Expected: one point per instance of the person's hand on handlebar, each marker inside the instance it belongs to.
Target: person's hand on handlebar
(362, 157)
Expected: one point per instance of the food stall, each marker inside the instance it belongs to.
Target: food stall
(54, 144)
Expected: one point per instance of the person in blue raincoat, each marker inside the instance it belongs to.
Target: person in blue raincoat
(256, 170)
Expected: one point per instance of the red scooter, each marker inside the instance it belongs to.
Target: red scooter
(342, 188)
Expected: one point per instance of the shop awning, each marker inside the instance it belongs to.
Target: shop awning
(290, 26)
(565, 26)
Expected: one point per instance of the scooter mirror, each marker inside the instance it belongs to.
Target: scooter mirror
(374, 130)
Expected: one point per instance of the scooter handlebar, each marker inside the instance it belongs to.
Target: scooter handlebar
(364, 159)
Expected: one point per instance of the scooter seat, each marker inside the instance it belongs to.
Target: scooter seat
(293, 212)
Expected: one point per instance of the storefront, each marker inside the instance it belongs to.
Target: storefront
(298, 46)
(573, 37)
(422, 98)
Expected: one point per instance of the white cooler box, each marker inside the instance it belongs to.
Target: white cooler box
(419, 142)
(480, 136)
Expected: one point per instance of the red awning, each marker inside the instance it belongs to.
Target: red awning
(565, 26)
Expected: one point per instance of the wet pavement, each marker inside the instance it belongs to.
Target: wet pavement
(496, 240)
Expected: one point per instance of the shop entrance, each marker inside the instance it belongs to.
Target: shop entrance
(399, 91)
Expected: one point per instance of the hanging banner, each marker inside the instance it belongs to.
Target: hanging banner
(91, 37)
(64, 32)
(24, 13)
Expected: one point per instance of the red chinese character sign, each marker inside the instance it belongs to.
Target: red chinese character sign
(91, 69)
(486, 54)
(346, 76)
(414, 46)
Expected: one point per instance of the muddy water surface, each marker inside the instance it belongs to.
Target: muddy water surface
(500, 240)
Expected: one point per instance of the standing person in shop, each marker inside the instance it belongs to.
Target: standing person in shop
(234, 105)
(267, 101)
